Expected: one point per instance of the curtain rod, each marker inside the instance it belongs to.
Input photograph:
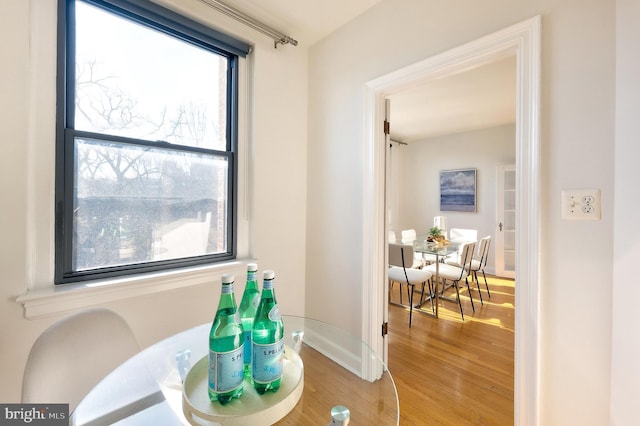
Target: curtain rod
(277, 36)
(397, 141)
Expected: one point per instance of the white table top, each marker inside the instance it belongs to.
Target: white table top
(147, 389)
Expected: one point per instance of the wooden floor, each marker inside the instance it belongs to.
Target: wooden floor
(327, 385)
(450, 372)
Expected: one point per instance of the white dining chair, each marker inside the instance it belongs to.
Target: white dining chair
(392, 239)
(408, 237)
(70, 357)
(461, 235)
(479, 262)
(455, 274)
(400, 260)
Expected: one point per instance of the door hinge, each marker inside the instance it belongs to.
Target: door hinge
(387, 127)
(385, 329)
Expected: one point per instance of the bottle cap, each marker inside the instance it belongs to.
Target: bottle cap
(252, 267)
(227, 278)
(268, 274)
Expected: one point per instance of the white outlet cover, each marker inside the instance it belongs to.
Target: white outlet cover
(580, 204)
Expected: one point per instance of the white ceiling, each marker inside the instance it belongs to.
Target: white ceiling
(304, 20)
(475, 99)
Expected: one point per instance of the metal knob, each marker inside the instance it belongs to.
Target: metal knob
(339, 416)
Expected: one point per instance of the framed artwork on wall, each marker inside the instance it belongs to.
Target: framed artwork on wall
(458, 190)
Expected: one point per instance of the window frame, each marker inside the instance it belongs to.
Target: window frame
(154, 16)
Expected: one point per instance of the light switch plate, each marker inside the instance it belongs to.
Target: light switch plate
(581, 204)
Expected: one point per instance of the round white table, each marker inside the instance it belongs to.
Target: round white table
(338, 370)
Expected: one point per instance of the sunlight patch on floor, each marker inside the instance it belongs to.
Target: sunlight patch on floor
(502, 291)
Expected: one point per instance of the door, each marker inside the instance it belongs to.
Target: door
(505, 247)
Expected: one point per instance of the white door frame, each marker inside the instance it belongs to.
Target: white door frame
(523, 40)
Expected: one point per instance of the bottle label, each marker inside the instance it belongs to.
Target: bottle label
(251, 275)
(274, 313)
(267, 362)
(226, 370)
(267, 284)
(227, 288)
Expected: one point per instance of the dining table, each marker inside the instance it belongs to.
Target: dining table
(330, 376)
(439, 251)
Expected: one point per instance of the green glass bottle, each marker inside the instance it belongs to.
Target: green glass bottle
(267, 340)
(248, 307)
(226, 339)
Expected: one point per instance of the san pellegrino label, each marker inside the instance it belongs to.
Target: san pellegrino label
(268, 362)
(226, 370)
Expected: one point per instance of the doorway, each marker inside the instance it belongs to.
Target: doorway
(463, 124)
(523, 40)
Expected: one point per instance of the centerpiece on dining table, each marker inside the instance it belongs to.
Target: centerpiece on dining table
(435, 236)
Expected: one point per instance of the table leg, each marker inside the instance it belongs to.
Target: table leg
(436, 282)
(437, 277)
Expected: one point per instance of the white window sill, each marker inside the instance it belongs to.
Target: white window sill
(58, 299)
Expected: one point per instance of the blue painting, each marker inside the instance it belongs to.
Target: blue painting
(458, 190)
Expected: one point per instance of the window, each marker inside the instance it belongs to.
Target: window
(146, 140)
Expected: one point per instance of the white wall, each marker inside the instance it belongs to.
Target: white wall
(577, 128)
(625, 371)
(272, 199)
(418, 179)
(577, 115)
